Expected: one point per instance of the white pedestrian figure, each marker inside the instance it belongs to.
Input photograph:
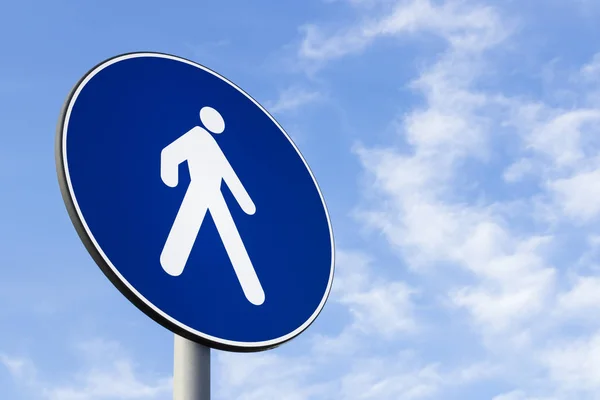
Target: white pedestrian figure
(208, 166)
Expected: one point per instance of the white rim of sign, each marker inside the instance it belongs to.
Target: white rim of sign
(115, 271)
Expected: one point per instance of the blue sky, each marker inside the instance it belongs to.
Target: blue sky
(456, 143)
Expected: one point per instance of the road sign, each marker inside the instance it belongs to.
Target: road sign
(194, 202)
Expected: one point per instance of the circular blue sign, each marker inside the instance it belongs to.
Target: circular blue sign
(194, 202)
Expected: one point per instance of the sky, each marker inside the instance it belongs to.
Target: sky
(456, 143)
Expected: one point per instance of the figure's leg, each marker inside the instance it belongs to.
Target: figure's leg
(184, 231)
(236, 251)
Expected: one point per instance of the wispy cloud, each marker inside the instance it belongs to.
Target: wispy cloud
(292, 99)
(591, 70)
(414, 189)
(469, 26)
(380, 308)
(106, 373)
(520, 395)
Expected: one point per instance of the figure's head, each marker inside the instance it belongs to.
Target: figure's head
(212, 120)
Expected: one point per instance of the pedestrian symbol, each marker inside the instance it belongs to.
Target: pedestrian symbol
(208, 167)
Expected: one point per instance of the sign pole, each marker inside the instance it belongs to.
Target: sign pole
(191, 372)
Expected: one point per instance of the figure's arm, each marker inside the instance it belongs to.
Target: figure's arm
(237, 189)
(170, 158)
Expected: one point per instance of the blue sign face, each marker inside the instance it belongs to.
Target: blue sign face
(194, 202)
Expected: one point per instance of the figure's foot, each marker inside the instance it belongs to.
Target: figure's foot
(173, 264)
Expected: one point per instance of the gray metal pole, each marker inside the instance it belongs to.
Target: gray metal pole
(191, 372)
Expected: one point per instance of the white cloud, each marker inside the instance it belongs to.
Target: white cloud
(573, 364)
(379, 307)
(265, 376)
(591, 70)
(20, 368)
(106, 374)
(421, 195)
(119, 382)
(561, 138)
(578, 195)
(386, 309)
(416, 215)
(514, 287)
(518, 170)
(414, 194)
(519, 395)
(561, 146)
(293, 98)
(386, 376)
(582, 299)
(589, 261)
(362, 3)
(378, 379)
(397, 377)
(423, 215)
(468, 26)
